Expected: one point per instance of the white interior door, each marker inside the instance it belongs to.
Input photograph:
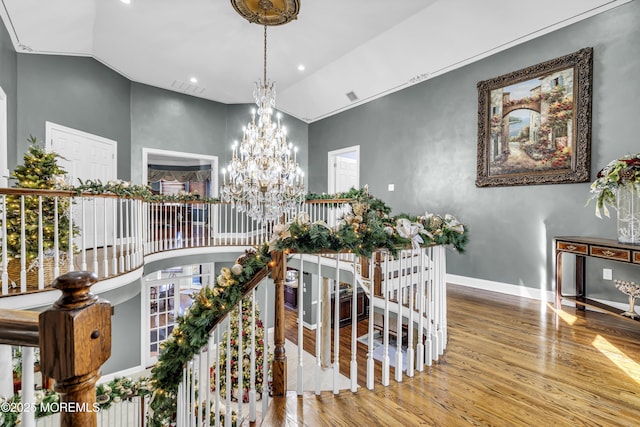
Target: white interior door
(343, 174)
(344, 169)
(86, 156)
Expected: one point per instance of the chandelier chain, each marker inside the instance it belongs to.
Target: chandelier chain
(265, 179)
(265, 54)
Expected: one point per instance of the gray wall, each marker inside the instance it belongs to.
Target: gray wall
(9, 84)
(173, 121)
(125, 339)
(76, 92)
(423, 139)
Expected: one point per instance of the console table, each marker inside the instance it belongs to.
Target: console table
(583, 247)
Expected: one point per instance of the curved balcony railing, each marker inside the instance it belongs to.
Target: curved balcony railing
(46, 233)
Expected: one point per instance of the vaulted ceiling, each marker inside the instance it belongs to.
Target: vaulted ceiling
(368, 47)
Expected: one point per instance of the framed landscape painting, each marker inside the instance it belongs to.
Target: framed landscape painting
(534, 124)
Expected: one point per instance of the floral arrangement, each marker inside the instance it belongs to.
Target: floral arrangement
(620, 172)
(106, 394)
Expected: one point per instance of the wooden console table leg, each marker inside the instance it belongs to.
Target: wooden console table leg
(559, 280)
(580, 285)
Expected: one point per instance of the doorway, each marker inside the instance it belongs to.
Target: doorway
(175, 162)
(343, 169)
(86, 156)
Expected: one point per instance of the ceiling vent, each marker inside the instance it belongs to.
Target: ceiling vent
(352, 96)
(187, 87)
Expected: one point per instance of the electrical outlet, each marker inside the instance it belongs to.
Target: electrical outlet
(392, 187)
(607, 274)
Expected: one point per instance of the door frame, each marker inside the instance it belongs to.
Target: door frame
(211, 160)
(4, 147)
(331, 155)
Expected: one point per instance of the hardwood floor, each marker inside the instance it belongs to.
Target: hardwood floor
(509, 362)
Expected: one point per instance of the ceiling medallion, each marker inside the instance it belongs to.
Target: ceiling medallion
(267, 12)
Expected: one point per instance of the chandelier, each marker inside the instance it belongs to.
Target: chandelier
(263, 178)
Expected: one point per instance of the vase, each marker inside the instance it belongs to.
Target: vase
(628, 203)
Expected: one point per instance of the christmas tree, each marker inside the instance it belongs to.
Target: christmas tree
(40, 171)
(247, 350)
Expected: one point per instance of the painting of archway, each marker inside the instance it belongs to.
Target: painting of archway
(534, 124)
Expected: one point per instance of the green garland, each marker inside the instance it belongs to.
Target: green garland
(192, 331)
(127, 190)
(365, 228)
(107, 394)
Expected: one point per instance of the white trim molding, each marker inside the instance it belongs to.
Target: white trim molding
(516, 290)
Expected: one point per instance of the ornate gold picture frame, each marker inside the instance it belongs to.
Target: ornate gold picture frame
(534, 124)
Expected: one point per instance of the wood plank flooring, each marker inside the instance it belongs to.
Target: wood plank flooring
(509, 362)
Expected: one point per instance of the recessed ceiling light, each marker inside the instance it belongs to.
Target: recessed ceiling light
(126, 1)
(300, 67)
(193, 80)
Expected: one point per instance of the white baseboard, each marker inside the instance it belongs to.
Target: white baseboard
(503, 288)
(308, 325)
(515, 290)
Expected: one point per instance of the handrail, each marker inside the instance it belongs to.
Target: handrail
(74, 337)
(170, 199)
(19, 328)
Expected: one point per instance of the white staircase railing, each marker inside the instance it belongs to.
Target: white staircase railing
(411, 297)
(227, 382)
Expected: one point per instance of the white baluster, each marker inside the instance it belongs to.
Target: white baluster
(105, 247)
(386, 289)
(121, 259)
(265, 352)
(402, 276)
(56, 243)
(354, 330)
(336, 330)
(95, 235)
(300, 376)
(252, 373)
(23, 248)
(229, 389)
(420, 345)
(372, 296)
(206, 386)
(319, 328)
(410, 324)
(443, 299)
(28, 384)
(240, 345)
(218, 371)
(195, 407)
(127, 224)
(40, 246)
(114, 247)
(6, 371)
(429, 348)
(70, 250)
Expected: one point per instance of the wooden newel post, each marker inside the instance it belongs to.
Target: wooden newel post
(278, 273)
(75, 340)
